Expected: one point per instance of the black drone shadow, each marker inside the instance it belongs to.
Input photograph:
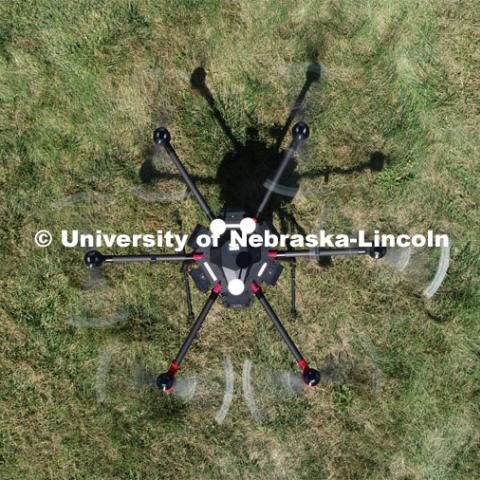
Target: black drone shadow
(243, 171)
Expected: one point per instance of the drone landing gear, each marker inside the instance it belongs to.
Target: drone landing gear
(293, 285)
(188, 294)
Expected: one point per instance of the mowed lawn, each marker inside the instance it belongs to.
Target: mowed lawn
(83, 85)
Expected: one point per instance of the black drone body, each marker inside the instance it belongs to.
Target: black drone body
(232, 272)
(235, 267)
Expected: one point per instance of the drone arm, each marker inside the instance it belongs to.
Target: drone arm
(96, 259)
(161, 137)
(318, 252)
(300, 132)
(374, 252)
(151, 258)
(196, 327)
(166, 380)
(310, 376)
(278, 325)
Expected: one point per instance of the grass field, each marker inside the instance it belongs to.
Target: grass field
(83, 85)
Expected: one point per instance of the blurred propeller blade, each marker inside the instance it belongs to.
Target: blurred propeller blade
(422, 269)
(126, 379)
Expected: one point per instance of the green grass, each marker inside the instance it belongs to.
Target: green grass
(83, 84)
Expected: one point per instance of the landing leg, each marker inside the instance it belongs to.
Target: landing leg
(188, 295)
(293, 268)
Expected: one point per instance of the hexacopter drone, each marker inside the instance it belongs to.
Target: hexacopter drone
(234, 274)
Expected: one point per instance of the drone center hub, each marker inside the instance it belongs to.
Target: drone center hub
(234, 266)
